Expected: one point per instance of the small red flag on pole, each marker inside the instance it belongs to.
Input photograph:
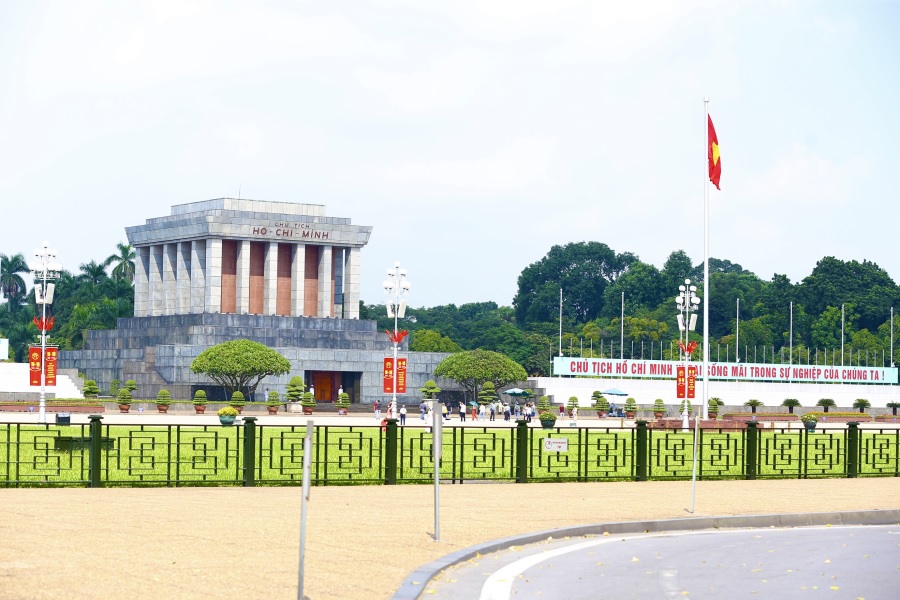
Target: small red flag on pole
(715, 164)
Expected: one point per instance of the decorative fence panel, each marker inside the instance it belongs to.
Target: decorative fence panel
(187, 455)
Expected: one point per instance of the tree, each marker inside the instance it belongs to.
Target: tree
(12, 284)
(90, 390)
(582, 269)
(124, 263)
(753, 404)
(240, 364)
(825, 403)
(295, 389)
(93, 273)
(487, 394)
(791, 403)
(429, 340)
(862, 404)
(472, 368)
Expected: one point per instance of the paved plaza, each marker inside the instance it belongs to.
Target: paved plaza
(362, 541)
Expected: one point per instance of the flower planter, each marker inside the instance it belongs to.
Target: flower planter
(200, 408)
(307, 410)
(658, 415)
(602, 414)
(163, 408)
(226, 420)
(810, 426)
(272, 409)
(124, 408)
(629, 414)
(548, 424)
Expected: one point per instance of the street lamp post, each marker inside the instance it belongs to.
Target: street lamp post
(687, 303)
(397, 288)
(45, 267)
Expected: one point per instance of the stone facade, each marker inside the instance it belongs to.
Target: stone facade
(281, 274)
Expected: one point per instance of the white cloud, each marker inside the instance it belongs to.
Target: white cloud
(524, 162)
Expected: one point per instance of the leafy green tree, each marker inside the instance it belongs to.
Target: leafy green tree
(430, 390)
(429, 340)
(643, 288)
(240, 364)
(93, 273)
(582, 269)
(826, 330)
(862, 404)
(473, 368)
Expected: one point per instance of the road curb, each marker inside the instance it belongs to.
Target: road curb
(417, 581)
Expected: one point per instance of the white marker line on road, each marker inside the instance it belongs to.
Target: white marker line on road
(499, 585)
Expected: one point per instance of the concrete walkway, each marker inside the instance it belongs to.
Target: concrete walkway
(361, 541)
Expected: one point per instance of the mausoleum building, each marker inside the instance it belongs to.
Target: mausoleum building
(279, 273)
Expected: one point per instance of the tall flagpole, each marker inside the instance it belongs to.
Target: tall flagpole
(706, 278)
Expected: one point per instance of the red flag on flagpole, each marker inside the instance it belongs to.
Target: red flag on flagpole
(715, 165)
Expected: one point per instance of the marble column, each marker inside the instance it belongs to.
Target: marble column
(170, 292)
(351, 283)
(198, 276)
(270, 279)
(183, 277)
(298, 280)
(213, 275)
(156, 283)
(242, 304)
(142, 281)
(325, 304)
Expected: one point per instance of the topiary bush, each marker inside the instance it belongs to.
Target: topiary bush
(572, 404)
(630, 405)
(659, 406)
(487, 394)
(124, 396)
(601, 404)
(91, 389)
(295, 389)
(164, 397)
(237, 399)
(430, 390)
(200, 398)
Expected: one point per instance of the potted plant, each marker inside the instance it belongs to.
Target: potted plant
(237, 401)
(124, 400)
(114, 386)
(809, 421)
(272, 402)
(200, 402)
(131, 386)
(601, 405)
(308, 403)
(163, 400)
(893, 406)
(91, 390)
(545, 415)
(862, 404)
(572, 406)
(295, 389)
(825, 403)
(712, 408)
(630, 408)
(685, 403)
(753, 404)
(430, 390)
(227, 414)
(659, 408)
(791, 404)
(343, 403)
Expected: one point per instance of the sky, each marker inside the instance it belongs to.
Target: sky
(473, 135)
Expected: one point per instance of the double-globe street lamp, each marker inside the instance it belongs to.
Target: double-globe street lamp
(396, 287)
(43, 268)
(687, 303)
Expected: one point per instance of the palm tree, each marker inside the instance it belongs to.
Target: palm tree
(753, 404)
(791, 403)
(92, 273)
(11, 283)
(893, 406)
(825, 403)
(124, 262)
(861, 403)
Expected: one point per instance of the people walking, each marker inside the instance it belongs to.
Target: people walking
(403, 415)
(462, 411)
(493, 410)
(376, 406)
(505, 412)
(481, 412)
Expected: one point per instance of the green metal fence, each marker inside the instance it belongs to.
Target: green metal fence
(98, 455)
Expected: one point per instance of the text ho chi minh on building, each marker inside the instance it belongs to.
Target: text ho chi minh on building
(278, 273)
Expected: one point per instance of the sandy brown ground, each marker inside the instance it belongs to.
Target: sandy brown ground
(361, 541)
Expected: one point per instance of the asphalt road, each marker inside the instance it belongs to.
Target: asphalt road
(856, 562)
